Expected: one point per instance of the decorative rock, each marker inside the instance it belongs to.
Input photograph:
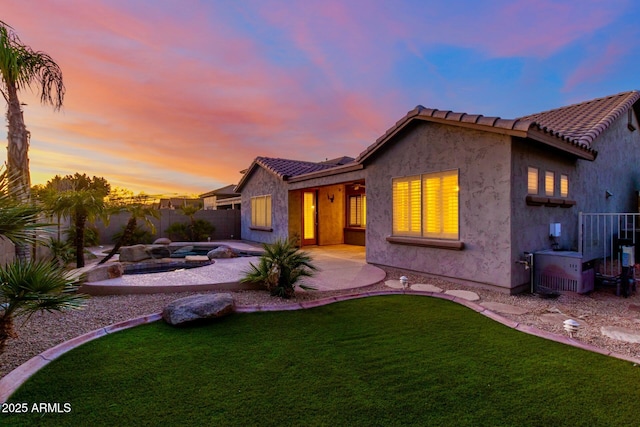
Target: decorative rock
(162, 241)
(395, 284)
(425, 288)
(159, 251)
(468, 295)
(105, 272)
(183, 250)
(222, 252)
(621, 334)
(134, 253)
(195, 307)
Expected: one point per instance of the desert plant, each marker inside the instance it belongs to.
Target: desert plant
(62, 252)
(138, 208)
(280, 268)
(195, 231)
(27, 287)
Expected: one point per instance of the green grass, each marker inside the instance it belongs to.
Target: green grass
(392, 360)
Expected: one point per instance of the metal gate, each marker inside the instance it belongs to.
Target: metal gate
(600, 236)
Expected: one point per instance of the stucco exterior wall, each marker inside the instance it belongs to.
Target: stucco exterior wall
(484, 164)
(260, 183)
(616, 169)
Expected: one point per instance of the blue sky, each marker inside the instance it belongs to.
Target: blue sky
(179, 96)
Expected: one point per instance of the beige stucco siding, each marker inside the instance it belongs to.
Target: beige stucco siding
(484, 163)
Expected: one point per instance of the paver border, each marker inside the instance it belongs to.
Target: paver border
(14, 379)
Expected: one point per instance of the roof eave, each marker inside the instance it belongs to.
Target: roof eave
(581, 152)
(415, 115)
(327, 172)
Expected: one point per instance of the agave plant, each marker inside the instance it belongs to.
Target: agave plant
(281, 266)
(32, 286)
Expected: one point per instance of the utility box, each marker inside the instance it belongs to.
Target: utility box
(562, 271)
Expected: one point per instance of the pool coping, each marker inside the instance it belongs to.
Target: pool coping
(14, 379)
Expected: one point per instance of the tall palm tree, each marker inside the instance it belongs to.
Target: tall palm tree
(21, 67)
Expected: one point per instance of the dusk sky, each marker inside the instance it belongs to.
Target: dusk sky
(179, 96)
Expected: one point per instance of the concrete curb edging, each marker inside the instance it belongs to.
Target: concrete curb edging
(14, 379)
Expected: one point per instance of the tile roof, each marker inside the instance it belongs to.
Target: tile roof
(285, 168)
(575, 126)
(582, 123)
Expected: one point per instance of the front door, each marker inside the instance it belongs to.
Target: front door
(309, 218)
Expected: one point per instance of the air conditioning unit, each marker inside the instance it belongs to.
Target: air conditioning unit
(562, 271)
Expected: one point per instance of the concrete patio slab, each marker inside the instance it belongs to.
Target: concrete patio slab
(339, 267)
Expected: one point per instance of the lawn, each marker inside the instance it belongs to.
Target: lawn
(388, 360)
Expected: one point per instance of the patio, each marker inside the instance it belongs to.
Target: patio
(339, 267)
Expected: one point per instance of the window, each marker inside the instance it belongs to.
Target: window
(261, 211)
(532, 181)
(549, 183)
(564, 185)
(426, 205)
(358, 211)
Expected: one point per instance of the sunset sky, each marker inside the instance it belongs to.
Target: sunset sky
(178, 96)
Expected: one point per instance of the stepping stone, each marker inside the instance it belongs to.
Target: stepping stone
(196, 258)
(621, 334)
(468, 295)
(553, 318)
(395, 284)
(504, 308)
(425, 288)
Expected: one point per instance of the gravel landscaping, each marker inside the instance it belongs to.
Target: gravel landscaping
(600, 308)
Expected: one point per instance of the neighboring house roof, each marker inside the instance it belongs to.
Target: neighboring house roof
(339, 161)
(226, 191)
(283, 168)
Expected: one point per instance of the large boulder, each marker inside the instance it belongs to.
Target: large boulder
(134, 253)
(221, 252)
(162, 241)
(196, 307)
(105, 272)
(159, 251)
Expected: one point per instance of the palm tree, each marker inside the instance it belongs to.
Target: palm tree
(22, 67)
(281, 266)
(138, 209)
(82, 206)
(29, 287)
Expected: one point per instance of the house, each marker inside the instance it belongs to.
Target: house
(456, 195)
(177, 202)
(221, 198)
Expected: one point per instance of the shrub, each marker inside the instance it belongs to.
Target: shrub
(281, 266)
(140, 235)
(197, 231)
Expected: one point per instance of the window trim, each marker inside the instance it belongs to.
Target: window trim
(549, 178)
(268, 213)
(564, 181)
(423, 235)
(530, 190)
(361, 208)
